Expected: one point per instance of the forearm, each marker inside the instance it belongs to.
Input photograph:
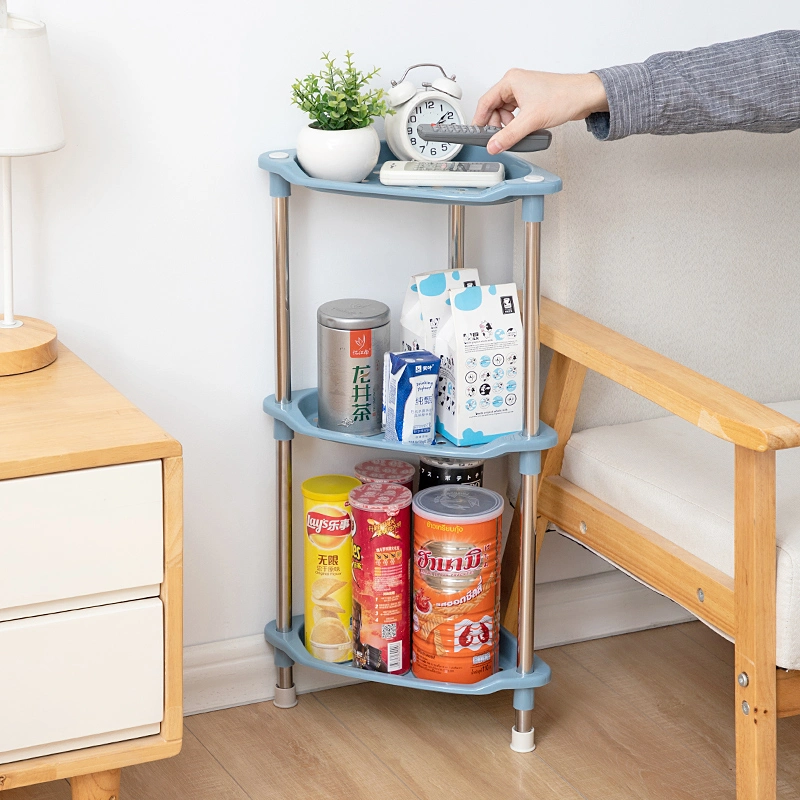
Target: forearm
(750, 84)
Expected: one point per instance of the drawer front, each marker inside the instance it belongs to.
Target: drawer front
(80, 675)
(71, 535)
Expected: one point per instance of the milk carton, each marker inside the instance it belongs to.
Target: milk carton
(410, 396)
(426, 302)
(481, 346)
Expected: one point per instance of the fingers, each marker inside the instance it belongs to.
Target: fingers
(499, 96)
(516, 129)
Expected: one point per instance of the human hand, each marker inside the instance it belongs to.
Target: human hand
(544, 100)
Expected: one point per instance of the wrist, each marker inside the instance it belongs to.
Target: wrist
(593, 94)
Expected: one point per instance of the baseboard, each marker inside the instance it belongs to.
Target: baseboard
(241, 671)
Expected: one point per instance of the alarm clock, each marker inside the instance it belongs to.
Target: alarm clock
(434, 103)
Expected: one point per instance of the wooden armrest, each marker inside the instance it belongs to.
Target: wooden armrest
(709, 405)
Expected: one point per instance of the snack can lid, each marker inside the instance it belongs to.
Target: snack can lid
(353, 314)
(468, 503)
(329, 487)
(390, 470)
(387, 497)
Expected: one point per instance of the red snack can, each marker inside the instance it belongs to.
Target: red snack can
(386, 470)
(381, 577)
(457, 539)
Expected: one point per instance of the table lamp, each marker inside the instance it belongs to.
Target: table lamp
(30, 123)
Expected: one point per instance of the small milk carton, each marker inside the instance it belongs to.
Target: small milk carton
(425, 304)
(480, 392)
(410, 394)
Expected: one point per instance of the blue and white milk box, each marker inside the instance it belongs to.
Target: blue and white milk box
(410, 396)
(481, 377)
(425, 304)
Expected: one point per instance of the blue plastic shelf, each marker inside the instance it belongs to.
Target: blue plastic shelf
(284, 164)
(301, 416)
(507, 678)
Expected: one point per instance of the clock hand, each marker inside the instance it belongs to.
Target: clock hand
(444, 117)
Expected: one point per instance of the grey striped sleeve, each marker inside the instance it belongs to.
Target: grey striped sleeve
(750, 84)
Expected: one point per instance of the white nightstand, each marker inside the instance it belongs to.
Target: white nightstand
(91, 543)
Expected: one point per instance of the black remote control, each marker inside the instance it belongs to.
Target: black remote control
(480, 135)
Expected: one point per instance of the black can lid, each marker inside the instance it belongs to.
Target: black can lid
(353, 314)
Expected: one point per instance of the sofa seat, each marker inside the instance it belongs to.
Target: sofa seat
(678, 481)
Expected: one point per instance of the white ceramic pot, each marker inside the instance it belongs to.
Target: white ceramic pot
(338, 155)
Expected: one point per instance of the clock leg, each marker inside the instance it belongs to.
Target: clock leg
(455, 249)
(96, 786)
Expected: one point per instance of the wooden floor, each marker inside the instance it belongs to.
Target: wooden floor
(646, 715)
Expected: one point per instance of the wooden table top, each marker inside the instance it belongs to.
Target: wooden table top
(65, 417)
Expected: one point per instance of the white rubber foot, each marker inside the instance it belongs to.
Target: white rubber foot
(522, 742)
(285, 698)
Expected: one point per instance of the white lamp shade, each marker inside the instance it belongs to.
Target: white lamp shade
(30, 119)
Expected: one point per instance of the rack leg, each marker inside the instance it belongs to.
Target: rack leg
(285, 689)
(455, 240)
(522, 733)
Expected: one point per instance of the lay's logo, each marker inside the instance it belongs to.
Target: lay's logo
(361, 344)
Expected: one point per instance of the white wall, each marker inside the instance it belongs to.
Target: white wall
(147, 241)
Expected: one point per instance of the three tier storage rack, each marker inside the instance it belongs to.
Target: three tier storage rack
(296, 412)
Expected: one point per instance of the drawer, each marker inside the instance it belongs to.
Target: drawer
(80, 678)
(68, 537)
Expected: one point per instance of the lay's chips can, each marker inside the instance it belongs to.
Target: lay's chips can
(328, 559)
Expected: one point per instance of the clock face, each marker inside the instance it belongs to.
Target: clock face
(435, 111)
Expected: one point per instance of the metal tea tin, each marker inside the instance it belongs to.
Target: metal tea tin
(352, 337)
(435, 471)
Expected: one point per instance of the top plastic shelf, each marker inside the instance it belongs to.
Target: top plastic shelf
(523, 179)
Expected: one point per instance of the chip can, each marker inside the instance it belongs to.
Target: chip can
(436, 471)
(456, 605)
(386, 470)
(352, 337)
(328, 558)
(381, 577)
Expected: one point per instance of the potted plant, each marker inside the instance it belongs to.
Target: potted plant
(340, 143)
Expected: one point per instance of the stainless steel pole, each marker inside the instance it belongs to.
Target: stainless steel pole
(455, 246)
(527, 551)
(283, 448)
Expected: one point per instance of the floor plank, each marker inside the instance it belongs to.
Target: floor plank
(714, 642)
(441, 745)
(605, 745)
(55, 790)
(194, 773)
(304, 752)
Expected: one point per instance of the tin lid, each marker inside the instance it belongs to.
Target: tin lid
(353, 314)
(458, 463)
(329, 487)
(390, 470)
(386, 497)
(469, 503)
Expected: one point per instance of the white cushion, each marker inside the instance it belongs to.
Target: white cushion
(678, 481)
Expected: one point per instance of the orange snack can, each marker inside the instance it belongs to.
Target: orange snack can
(456, 604)
(328, 551)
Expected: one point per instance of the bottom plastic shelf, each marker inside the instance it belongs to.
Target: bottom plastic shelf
(291, 643)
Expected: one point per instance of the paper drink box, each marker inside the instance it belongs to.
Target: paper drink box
(426, 302)
(481, 347)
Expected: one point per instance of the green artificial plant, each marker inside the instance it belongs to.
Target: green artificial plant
(334, 100)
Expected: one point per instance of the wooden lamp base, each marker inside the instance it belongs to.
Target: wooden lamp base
(32, 345)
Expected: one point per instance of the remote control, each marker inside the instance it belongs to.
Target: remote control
(480, 135)
(474, 174)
